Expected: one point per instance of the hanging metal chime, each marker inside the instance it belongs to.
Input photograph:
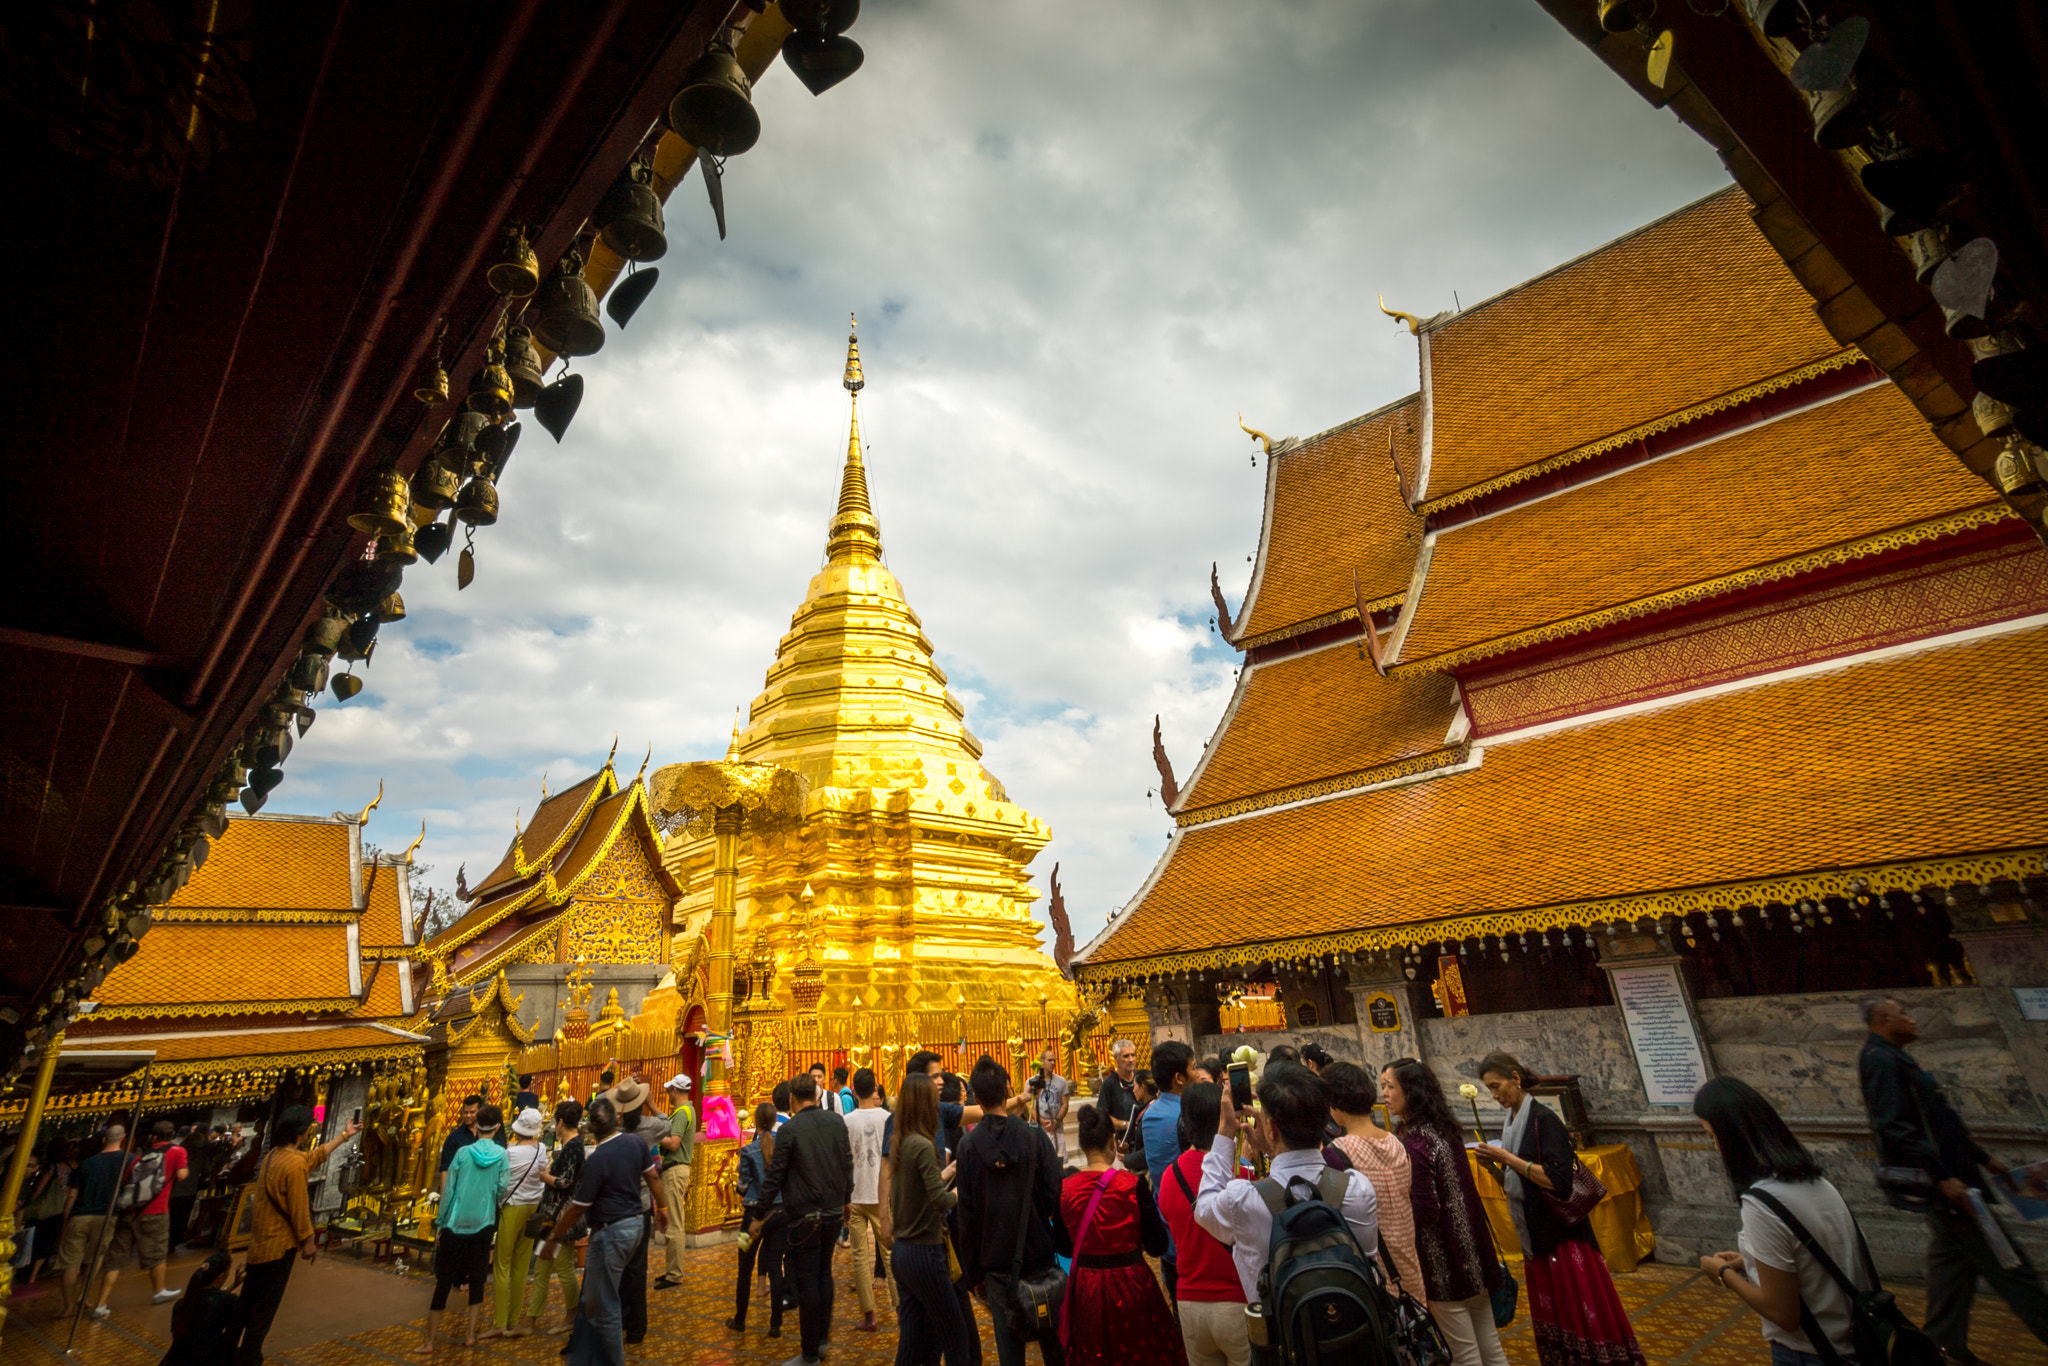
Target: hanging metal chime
(433, 540)
(381, 502)
(514, 271)
(433, 382)
(714, 110)
(477, 504)
(490, 388)
(399, 549)
(436, 482)
(523, 365)
(568, 324)
(628, 218)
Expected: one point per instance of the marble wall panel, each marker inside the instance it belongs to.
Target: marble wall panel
(1340, 1040)
(1589, 1042)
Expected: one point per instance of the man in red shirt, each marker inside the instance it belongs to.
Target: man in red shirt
(1211, 1297)
(152, 1223)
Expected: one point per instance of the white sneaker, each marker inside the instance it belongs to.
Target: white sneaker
(164, 1296)
(100, 1311)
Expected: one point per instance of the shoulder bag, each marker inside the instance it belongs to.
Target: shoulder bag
(1034, 1300)
(1910, 1188)
(1879, 1330)
(1080, 1241)
(1574, 1204)
(1417, 1338)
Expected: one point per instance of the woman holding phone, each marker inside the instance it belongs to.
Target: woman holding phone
(928, 1317)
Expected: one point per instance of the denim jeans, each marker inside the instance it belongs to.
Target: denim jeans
(1781, 1355)
(927, 1314)
(768, 1248)
(598, 1339)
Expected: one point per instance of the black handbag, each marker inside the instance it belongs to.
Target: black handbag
(1879, 1329)
(1034, 1301)
(1417, 1339)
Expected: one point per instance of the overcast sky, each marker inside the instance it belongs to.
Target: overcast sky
(1080, 238)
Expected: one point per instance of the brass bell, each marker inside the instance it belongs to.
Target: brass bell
(820, 16)
(2015, 470)
(433, 385)
(478, 503)
(361, 638)
(514, 271)
(363, 583)
(568, 323)
(2011, 369)
(490, 388)
(309, 673)
(391, 609)
(398, 549)
(715, 108)
(381, 503)
(629, 218)
(324, 635)
(1993, 418)
(1622, 16)
(435, 484)
(522, 366)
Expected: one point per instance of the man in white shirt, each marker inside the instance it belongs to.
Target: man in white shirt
(868, 1213)
(1293, 1108)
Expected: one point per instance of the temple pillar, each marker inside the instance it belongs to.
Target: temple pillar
(17, 1165)
(724, 916)
(1388, 1027)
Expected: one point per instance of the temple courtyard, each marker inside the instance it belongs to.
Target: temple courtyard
(344, 1312)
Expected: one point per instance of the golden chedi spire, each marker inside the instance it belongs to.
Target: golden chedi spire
(855, 536)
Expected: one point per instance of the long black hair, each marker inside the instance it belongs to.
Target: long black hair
(206, 1275)
(1427, 1107)
(1754, 1140)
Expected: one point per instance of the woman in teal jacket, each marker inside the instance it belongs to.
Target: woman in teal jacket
(478, 1179)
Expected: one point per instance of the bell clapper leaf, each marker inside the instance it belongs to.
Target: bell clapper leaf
(714, 171)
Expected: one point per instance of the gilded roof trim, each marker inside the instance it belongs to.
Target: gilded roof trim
(211, 915)
(606, 785)
(174, 1009)
(1377, 776)
(1592, 450)
(500, 992)
(1785, 889)
(1302, 628)
(1917, 533)
(545, 887)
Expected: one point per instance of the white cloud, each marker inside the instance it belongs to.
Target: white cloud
(1080, 238)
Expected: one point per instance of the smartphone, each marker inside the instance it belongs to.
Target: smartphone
(358, 1119)
(1241, 1085)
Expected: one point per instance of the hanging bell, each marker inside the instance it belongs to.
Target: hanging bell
(1993, 418)
(309, 674)
(568, 323)
(399, 549)
(433, 385)
(522, 366)
(435, 483)
(1622, 16)
(490, 388)
(1848, 116)
(629, 218)
(391, 609)
(514, 271)
(820, 16)
(478, 503)
(381, 502)
(821, 60)
(362, 584)
(1913, 185)
(715, 108)
(2011, 369)
(324, 635)
(361, 638)
(627, 296)
(490, 448)
(2015, 470)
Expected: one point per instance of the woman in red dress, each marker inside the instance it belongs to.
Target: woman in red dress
(1114, 1313)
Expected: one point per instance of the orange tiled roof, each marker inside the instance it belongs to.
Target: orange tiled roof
(1835, 473)
(230, 1043)
(1924, 755)
(382, 999)
(270, 864)
(1687, 308)
(383, 923)
(551, 819)
(1316, 715)
(1334, 507)
(220, 965)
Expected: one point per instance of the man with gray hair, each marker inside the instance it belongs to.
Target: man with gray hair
(1916, 1127)
(1120, 1088)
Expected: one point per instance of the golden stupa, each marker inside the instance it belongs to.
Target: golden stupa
(897, 910)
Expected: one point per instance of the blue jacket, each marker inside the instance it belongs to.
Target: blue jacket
(752, 1172)
(478, 1180)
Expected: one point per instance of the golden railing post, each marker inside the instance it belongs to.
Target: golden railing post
(17, 1166)
(724, 914)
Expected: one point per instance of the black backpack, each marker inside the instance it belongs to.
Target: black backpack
(1322, 1298)
(1879, 1328)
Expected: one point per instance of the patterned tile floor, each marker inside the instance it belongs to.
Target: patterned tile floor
(1680, 1318)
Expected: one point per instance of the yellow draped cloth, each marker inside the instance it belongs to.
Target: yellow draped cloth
(1620, 1222)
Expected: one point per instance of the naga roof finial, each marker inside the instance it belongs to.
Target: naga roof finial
(364, 814)
(1414, 323)
(1256, 434)
(416, 844)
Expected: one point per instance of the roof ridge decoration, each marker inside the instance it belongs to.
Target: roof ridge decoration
(363, 816)
(1782, 889)
(1341, 784)
(1838, 360)
(602, 785)
(1843, 552)
(544, 887)
(169, 1010)
(499, 995)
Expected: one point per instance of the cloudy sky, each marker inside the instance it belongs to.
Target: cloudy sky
(1080, 238)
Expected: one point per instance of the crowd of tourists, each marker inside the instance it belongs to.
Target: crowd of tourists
(1296, 1208)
